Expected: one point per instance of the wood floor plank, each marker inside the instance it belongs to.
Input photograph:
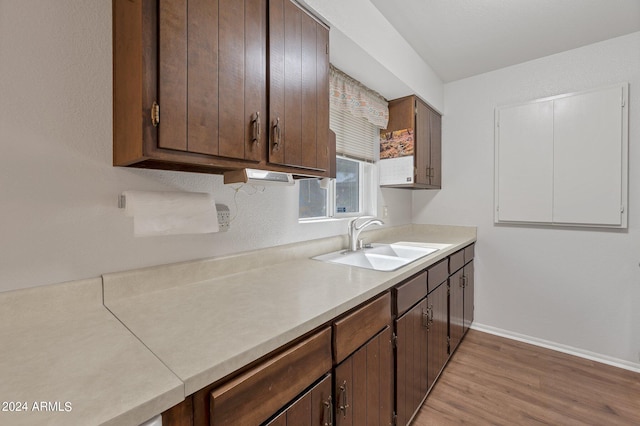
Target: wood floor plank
(492, 380)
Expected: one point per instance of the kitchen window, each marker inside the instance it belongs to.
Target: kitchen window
(356, 115)
(351, 193)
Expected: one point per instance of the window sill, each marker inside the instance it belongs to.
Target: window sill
(326, 219)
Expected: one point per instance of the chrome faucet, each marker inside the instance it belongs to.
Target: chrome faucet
(354, 231)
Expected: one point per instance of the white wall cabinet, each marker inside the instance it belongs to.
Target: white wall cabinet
(563, 160)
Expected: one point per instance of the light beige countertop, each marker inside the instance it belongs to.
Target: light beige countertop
(122, 349)
(208, 318)
(66, 360)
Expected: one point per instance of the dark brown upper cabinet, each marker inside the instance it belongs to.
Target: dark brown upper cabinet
(190, 87)
(413, 114)
(298, 88)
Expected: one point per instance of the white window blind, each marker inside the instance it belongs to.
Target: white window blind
(356, 114)
(356, 137)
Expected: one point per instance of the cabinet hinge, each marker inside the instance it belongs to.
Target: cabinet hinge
(394, 340)
(394, 419)
(448, 290)
(155, 114)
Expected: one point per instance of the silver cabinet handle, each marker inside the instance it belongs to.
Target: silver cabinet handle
(344, 402)
(277, 134)
(425, 318)
(328, 412)
(255, 122)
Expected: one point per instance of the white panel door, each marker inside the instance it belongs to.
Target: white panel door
(524, 163)
(588, 170)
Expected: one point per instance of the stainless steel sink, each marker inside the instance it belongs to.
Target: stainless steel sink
(383, 257)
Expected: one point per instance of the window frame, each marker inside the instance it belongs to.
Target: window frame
(367, 189)
(361, 193)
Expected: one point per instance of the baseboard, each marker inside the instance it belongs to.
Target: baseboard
(616, 362)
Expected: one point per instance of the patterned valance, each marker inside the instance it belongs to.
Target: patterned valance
(350, 95)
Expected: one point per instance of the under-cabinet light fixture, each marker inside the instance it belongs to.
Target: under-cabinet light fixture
(258, 177)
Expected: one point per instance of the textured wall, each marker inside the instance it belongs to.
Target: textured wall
(576, 287)
(59, 219)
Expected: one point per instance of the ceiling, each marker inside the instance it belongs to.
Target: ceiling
(461, 38)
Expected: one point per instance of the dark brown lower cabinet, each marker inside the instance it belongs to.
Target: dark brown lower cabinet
(468, 295)
(421, 351)
(363, 389)
(411, 361)
(456, 309)
(437, 335)
(343, 374)
(461, 302)
(313, 408)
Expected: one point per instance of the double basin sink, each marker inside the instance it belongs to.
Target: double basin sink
(383, 257)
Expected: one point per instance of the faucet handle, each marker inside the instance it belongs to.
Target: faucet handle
(353, 222)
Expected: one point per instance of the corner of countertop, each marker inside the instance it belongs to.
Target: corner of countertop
(60, 342)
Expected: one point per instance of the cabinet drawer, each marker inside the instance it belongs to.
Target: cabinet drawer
(256, 395)
(352, 331)
(456, 261)
(469, 252)
(437, 274)
(410, 292)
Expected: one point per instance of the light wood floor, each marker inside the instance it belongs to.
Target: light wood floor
(491, 380)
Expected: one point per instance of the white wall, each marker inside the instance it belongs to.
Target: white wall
(365, 26)
(59, 219)
(574, 287)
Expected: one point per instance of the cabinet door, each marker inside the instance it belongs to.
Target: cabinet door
(437, 335)
(468, 295)
(456, 309)
(411, 361)
(435, 149)
(588, 160)
(298, 87)
(422, 143)
(524, 163)
(402, 114)
(313, 408)
(212, 77)
(172, 74)
(363, 384)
